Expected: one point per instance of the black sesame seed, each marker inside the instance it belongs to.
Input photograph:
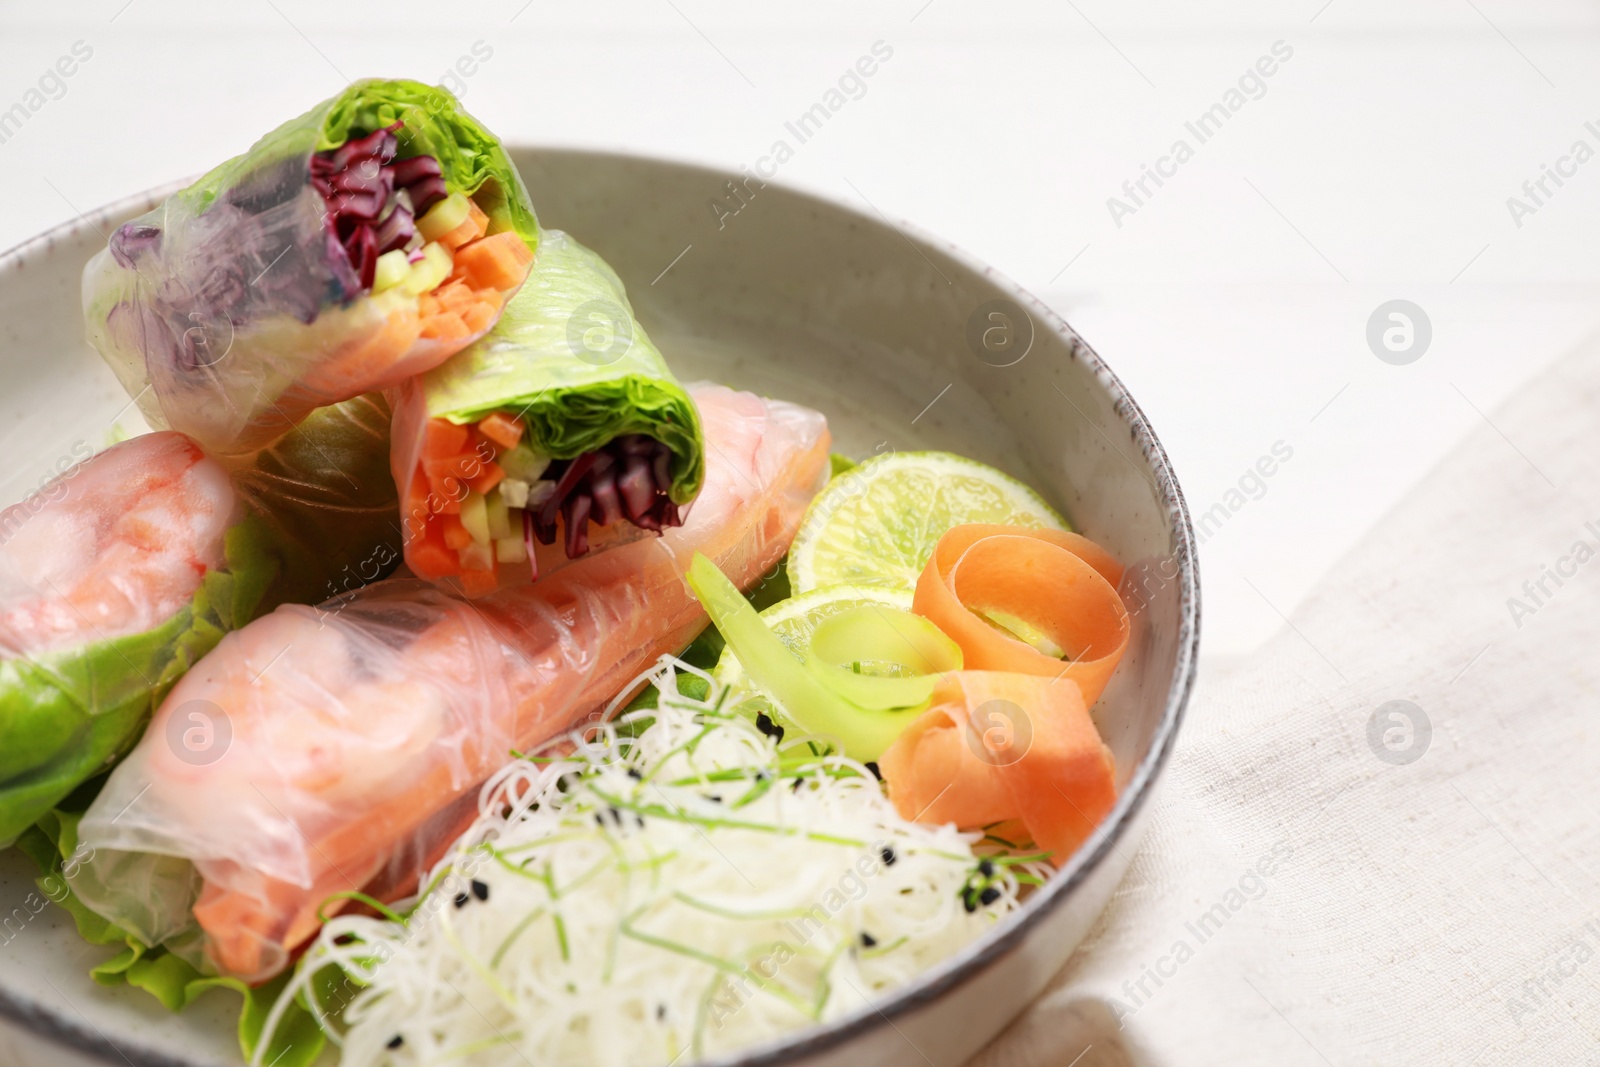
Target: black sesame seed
(798, 782)
(661, 1011)
(867, 940)
(396, 1041)
(872, 765)
(989, 896)
(462, 900)
(968, 901)
(635, 775)
(888, 857)
(714, 798)
(480, 889)
(639, 819)
(986, 868)
(765, 724)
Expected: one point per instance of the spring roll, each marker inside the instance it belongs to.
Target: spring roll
(364, 242)
(360, 732)
(563, 425)
(119, 575)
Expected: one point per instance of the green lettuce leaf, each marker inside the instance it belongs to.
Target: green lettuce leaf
(571, 360)
(65, 716)
(470, 157)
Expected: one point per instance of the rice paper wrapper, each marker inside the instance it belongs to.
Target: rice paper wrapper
(361, 730)
(571, 360)
(230, 311)
(107, 600)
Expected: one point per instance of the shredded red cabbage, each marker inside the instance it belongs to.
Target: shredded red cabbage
(627, 478)
(360, 182)
(248, 264)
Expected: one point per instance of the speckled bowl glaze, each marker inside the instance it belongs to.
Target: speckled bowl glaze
(905, 343)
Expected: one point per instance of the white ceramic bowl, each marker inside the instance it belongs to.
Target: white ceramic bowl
(903, 341)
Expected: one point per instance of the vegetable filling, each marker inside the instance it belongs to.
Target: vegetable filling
(484, 496)
(390, 224)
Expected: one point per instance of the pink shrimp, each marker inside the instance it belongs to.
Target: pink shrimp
(115, 546)
(360, 730)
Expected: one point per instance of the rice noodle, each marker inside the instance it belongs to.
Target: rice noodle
(671, 885)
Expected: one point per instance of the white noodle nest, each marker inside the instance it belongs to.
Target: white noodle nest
(654, 899)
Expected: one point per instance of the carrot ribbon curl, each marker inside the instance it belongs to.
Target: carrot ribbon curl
(998, 746)
(1061, 584)
(1009, 738)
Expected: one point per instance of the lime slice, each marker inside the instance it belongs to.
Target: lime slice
(793, 621)
(875, 526)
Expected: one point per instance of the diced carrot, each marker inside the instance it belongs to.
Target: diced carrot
(415, 512)
(427, 306)
(478, 583)
(441, 471)
(443, 439)
(487, 479)
(367, 363)
(414, 509)
(499, 261)
(484, 447)
(456, 536)
(504, 430)
(480, 316)
(449, 489)
(446, 326)
(429, 557)
(474, 226)
(455, 295)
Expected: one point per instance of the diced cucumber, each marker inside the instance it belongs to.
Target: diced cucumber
(390, 270)
(475, 517)
(514, 491)
(510, 550)
(499, 515)
(523, 463)
(444, 216)
(426, 273)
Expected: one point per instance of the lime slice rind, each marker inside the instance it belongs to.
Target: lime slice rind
(874, 527)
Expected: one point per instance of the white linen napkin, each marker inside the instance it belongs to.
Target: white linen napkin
(1331, 878)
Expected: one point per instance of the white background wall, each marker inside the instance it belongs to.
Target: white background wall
(1234, 303)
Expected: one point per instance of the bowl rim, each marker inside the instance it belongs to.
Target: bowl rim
(1015, 928)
